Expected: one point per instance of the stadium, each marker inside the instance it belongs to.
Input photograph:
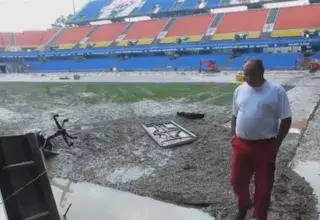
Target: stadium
(116, 68)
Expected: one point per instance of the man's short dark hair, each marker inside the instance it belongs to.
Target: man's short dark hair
(258, 61)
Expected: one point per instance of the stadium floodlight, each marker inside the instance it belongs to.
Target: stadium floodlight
(229, 9)
(286, 4)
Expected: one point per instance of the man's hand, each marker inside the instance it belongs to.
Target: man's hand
(278, 142)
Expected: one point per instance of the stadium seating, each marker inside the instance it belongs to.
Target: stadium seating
(73, 65)
(4, 40)
(316, 56)
(193, 61)
(245, 22)
(270, 60)
(150, 5)
(143, 32)
(33, 39)
(104, 35)
(71, 36)
(213, 3)
(90, 11)
(143, 63)
(293, 21)
(189, 4)
(191, 27)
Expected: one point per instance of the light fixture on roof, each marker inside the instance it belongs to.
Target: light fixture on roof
(286, 4)
(229, 9)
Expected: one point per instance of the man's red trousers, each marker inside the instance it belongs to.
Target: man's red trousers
(258, 158)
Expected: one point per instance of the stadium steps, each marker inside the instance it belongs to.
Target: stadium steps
(123, 34)
(268, 26)
(217, 19)
(53, 39)
(84, 40)
(164, 31)
(11, 39)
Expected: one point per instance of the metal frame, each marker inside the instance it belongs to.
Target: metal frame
(192, 137)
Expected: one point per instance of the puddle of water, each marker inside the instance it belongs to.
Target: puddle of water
(91, 201)
(310, 170)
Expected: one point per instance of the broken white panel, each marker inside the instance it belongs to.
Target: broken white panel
(169, 134)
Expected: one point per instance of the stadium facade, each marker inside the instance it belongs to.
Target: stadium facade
(170, 34)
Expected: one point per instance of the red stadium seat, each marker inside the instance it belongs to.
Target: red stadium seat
(244, 22)
(144, 32)
(4, 40)
(191, 27)
(33, 39)
(71, 36)
(105, 35)
(305, 17)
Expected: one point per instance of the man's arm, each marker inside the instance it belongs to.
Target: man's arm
(233, 125)
(285, 115)
(284, 129)
(234, 114)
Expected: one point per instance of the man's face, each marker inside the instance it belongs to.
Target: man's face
(252, 74)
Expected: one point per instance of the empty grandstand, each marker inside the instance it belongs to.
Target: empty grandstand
(175, 34)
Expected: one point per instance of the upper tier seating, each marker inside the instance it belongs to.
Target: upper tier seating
(33, 39)
(293, 21)
(189, 4)
(213, 3)
(71, 36)
(246, 22)
(4, 40)
(90, 10)
(105, 35)
(150, 6)
(192, 27)
(143, 32)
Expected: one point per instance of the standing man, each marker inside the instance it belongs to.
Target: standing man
(258, 105)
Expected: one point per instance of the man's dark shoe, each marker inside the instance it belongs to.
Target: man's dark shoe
(242, 213)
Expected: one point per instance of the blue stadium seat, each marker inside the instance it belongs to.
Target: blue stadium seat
(193, 62)
(189, 4)
(213, 3)
(73, 65)
(90, 10)
(316, 56)
(142, 63)
(166, 5)
(270, 60)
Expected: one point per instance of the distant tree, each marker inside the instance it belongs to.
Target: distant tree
(61, 21)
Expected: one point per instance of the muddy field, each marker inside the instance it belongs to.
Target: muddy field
(113, 149)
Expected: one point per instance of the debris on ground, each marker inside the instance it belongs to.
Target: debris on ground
(191, 115)
(169, 134)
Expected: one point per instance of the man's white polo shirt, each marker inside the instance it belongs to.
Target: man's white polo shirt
(258, 110)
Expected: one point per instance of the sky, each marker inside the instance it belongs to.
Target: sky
(20, 15)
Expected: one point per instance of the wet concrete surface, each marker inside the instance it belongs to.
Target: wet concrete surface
(89, 201)
(306, 161)
(113, 150)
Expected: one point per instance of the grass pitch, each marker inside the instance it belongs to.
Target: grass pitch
(218, 94)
